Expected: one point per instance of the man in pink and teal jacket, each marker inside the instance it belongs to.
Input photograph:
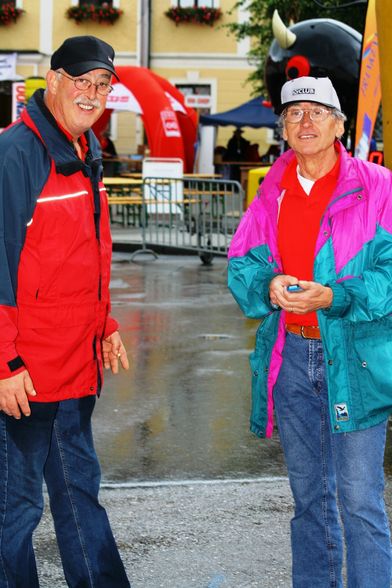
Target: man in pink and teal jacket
(312, 258)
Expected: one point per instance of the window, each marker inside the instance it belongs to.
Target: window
(14, 3)
(114, 3)
(197, 3)
(96, 2)
(197, 96)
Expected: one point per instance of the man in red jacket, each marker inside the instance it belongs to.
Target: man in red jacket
(56, 333)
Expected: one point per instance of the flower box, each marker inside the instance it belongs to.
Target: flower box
(105, 13)
(195, 14)
(9, 14)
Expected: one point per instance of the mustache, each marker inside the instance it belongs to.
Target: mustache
(82, 100)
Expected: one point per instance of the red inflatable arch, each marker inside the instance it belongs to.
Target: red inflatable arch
(170, 126)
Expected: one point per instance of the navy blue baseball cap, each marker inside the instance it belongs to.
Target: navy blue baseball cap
(78, 55)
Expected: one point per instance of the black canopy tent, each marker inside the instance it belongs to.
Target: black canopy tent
(250, 114)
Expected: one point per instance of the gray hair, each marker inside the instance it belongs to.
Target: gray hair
(338, 114)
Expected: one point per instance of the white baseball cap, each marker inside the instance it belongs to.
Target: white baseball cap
(307, 89)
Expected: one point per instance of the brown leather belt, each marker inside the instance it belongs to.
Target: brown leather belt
(306, 331)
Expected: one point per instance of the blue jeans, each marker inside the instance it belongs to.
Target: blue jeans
(55, 443)
(337, 480)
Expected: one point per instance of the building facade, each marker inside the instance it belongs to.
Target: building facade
(206, 63)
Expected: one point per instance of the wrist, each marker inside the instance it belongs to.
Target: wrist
(329, 298)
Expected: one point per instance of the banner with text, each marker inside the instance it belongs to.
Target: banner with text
(7, 66)
(369, 96)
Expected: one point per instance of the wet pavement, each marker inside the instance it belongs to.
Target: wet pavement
(195, 500)
(219, 535)
(182, 410)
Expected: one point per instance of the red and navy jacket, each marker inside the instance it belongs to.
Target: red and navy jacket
(55, 255)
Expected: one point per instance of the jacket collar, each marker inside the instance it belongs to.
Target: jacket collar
(348, 178)
(40, 120)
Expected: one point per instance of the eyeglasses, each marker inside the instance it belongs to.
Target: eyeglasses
(84, 84)
(317, 114)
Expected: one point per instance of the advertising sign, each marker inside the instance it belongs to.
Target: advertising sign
(18, 99)
(7, 66)
(123, 99)
(369, 96)
(170, 124)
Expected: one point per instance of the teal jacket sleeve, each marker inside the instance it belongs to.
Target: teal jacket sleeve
(249, 277)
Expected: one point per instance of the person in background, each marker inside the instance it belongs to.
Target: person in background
(236, 151)
(252, 153)
(236, 147)
(56, 331)
(109, 152)
(312, 258)
(271, 154)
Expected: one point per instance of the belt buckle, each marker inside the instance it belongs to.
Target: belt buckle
(302, 333)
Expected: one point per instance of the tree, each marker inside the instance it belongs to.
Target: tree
(258, 27)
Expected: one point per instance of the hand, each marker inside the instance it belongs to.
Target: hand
(114, 351)
(278, 287)
(313, 297)
(14, 394)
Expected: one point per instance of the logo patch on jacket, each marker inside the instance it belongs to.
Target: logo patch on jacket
(341, 412)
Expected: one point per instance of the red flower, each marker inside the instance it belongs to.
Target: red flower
(102, 14)
(195, 14)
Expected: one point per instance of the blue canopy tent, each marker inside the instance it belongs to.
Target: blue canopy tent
(250, 114)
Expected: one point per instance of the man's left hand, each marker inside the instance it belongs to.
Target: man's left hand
(113, 352)
(313, 297)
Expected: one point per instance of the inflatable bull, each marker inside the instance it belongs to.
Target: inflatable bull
(317, 47)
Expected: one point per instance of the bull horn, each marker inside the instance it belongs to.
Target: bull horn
(282, 34)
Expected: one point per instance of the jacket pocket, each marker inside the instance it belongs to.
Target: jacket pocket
(41, 316)
(370, 365)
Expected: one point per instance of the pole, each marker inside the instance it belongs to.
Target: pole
(144, 33)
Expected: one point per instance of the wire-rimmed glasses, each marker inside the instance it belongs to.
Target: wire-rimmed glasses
(84, 84)
(294, 114)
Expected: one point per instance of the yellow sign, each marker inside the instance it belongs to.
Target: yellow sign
(369, 96)
(255, 177)
(383, 10)
(32, 84)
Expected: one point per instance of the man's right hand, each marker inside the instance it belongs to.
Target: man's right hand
(14, 394)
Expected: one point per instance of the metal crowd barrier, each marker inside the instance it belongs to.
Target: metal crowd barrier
(188, 214)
